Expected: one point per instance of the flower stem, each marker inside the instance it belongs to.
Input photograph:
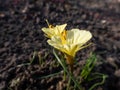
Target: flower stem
(70, 62)
(71, 68)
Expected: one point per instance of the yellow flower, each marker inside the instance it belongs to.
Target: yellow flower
(70, 41)
(54, 31)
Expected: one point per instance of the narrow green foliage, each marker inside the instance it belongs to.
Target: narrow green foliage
(66, 71)
(90, 63)
(32, 60)
(98, 76)
(37, 56)
(87, 75)
(50, 75)
(68, 85)
(33, 57)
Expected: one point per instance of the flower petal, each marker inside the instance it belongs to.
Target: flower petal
(53, 31)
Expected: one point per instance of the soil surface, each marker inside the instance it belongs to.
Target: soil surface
(21, 40)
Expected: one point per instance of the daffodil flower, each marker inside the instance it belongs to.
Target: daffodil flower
(54, 31)
(70, 42)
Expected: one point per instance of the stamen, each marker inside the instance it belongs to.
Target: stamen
(50, 26)
(63, 36)
(47, 22)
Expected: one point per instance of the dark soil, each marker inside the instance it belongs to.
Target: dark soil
(20, 36)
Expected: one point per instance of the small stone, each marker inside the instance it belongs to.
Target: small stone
(2, 15)
(103, 21)
(117, 73)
